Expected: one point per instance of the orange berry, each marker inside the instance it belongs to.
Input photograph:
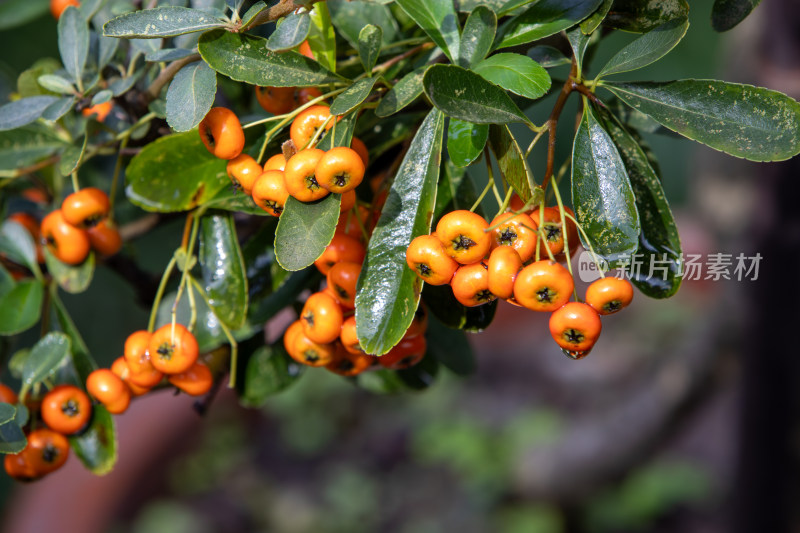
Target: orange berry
(196, 381)
(471, 285)
(543, 286)
(243, 171)
(503, 266)
(172, 349)
(307, 122)
(575, 326)
(426, 256)
(609, 295)
(341, 248)
(85, 208)
(269, 192)
(69, 244)
(463, 235)
(300, 176)
(322, 318)
(222, 133)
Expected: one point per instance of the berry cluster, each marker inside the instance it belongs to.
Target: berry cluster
(483, 262)
(171, 352)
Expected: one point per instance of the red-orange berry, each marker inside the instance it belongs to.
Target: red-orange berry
(464, 237)
(426, 256)
(609, 295)
(222, 133)
(243, 171)
(340, 170)
(85, 208)
(66, 409)
(543, 286)
(471, 285)
(575, 326)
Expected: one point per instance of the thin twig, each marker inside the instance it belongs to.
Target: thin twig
(167, 74)
(281, 9)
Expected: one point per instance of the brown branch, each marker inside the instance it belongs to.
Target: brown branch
(552, 123)
(408, 53)
(281, 9)
(166, 75)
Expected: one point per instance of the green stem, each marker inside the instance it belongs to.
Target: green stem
(162, 286)
(115, 178)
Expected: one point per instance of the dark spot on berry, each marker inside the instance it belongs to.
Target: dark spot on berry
(69, 408)
(463, 243)
(484, 296)
(552, 232)
(573, 336)
(508, 236)
(613, 306)
(341, 179)
(424, 270)
(311, 182)
(345, 365)
(545, 295)
(165, 350)
(50, 453)
(309, 318)
(311, 356)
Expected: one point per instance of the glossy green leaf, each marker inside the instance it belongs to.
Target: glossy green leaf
(467, 6)
(350, 16)
(285, 294)
(292, 31)
(17, 244)
(465, 141)
(252, 12)
(403, 93)
(647, 49)
(353, 96)
(511, 160)
(592, 22)
(81, 359)
(22, 112)
(640, 17)
(544, 18)
(264, 274)
(450, 347)
(190, 95)
(7, 413)
(223, 269)
(601, 192)
(547, 56)
(741, 120)
(321, 37)
(73, 42)
(45, 357)
(96, 447)
(6, 281)
(443, 305)
(269, 371)
(579, 42)
(175, 173)
(167, 21)
(15, 13)
(388, 291)
(466, 95)
(231, 199)
(390, 132)
(477, 37)
(71, 157)
(21, 307)
(659, 243)
(246, 58)
(725, 14)
(304, 230)
(72, 278)
(439, 20)
(516, 73)
(369, 45)
(27, 145)
(166, 54)
(12, 439)
(56, 84)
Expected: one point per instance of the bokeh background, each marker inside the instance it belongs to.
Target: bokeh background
(682, 419)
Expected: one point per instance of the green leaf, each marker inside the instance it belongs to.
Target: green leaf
(223, 269)
(96, 447)
(388, 291)
(353, 96)
(166, 54)
(511, 160)
(175, 173)
(7, 413)
(390, 132)
(477, 37)
(403, 93)
(71, 157)
(106, 48)
(343, 134)
(450, 347)
(292, 31)
(304, 230)
(420, 376)
(15, 13)
(465, 141)
(547, 56)
(467, 6)
(17, 245)
(601, 192)
(246, 58)
(21, 307)
(466, 95)
(81, 359)
(72, 278)
(190, 95)
(231, 199)
(12, 439)
(27, 81)
(640, 17)
(321, 37)
(167, 21)
(24, 111)
(349, 16)
(269, 371)
(102, 97)
(725, 14)
(544, 18)
(659, 243)
(27, 145)
(592, 22)
(73, 42)
(369, 45)
(443, 305)
(516, 73)
(251, 13)
(511, 5)
(45, 357)
(647, 49)
(56, 84)
(579, 42)
(741, 120)
(59, 108)
(439, 20)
